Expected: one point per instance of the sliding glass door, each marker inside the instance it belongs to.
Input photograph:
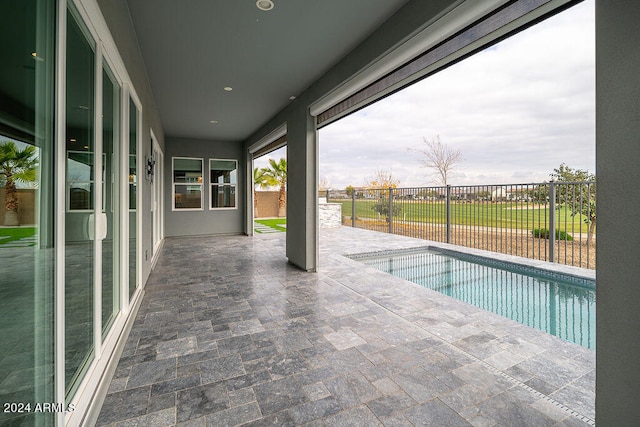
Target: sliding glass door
(68, 229)
(27, 220)
(134, 119)
(93, 171)
(111, 97)
(157, 204)
(80, 210)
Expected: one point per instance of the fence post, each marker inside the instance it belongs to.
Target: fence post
(552, 222)
(448, 207)
(353, 207)
(390, 210)
(327, 196)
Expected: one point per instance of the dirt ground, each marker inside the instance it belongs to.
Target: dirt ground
(513, 242)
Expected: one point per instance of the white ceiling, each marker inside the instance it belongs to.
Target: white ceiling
(192, 49)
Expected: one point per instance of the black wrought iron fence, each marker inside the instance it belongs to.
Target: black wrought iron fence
(551, 221)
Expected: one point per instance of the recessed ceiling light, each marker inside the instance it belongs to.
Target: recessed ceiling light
(228, 88)
(264, 4)
(213, 121)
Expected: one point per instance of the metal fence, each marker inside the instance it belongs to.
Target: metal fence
(551, 221)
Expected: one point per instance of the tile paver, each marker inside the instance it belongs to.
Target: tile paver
(248, 339)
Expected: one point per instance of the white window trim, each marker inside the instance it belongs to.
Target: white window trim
(173, 185)
(211, 184)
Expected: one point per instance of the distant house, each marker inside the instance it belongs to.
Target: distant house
(499, 194)
(508, 194)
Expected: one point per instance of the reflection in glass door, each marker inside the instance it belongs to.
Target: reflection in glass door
(27, 169)
(111, 197)
(133, 187)
(80, 202)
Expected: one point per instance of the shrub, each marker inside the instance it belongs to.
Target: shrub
(543, 233)
(382, 207)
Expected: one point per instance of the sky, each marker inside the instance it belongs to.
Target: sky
(516, 111)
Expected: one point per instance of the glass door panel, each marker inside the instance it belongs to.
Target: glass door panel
(27, 171)
(111, 197)
(133, 182)
(156, 193)
(80, 202)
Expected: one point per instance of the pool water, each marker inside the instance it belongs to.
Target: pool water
(555, 303)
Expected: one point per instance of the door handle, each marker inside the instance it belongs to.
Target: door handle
(97, 226)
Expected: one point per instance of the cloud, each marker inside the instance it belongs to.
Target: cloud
(516, 111)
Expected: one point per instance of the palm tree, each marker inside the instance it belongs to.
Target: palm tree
(259, 181)
(16, 166)
(276, 174)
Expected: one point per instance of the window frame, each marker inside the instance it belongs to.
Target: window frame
(174, 184)
(234, 185)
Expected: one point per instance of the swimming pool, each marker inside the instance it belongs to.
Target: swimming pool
(559, 304)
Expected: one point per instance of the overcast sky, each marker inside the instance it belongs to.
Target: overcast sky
(516, 111)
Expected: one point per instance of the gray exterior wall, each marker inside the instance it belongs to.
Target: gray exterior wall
(205, 222)
(116, 14)
(618, 178)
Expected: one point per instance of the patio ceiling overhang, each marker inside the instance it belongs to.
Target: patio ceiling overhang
(222, 70)
(192, 51)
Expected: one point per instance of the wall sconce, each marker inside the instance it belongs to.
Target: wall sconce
(149, 168)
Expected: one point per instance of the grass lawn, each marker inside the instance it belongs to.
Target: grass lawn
(12, 234)
(279, 224)
(496, 215)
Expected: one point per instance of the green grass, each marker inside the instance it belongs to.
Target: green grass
(8, 235)
(275, 223)
(497, 215)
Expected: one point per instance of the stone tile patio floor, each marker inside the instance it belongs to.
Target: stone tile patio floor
(228, 333)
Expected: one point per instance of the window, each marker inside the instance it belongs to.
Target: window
(223, 174)
(187, 183)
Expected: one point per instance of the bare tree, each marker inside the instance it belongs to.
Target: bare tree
(382, 179)
(439, 157)
(324, 184)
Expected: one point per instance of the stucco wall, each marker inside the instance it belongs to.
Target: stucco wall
(267, 204)
(618, 248)
(26, 206)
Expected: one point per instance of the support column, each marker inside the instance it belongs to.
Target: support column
(302, 187)
(618, 233)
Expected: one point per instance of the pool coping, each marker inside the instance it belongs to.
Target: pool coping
(578, 276)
